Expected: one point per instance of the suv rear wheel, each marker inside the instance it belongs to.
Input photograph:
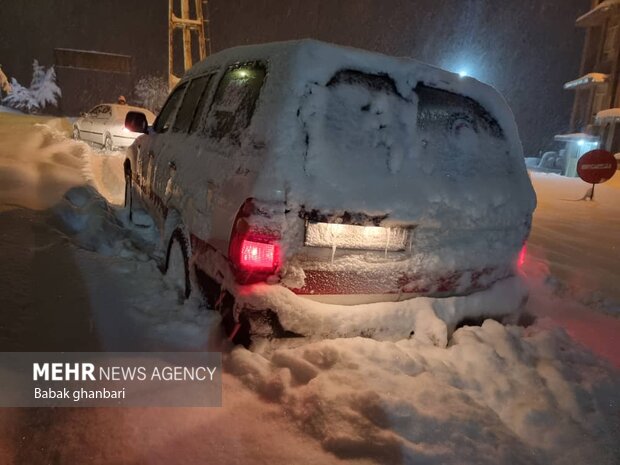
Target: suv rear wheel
(128, 191)
(177, 264)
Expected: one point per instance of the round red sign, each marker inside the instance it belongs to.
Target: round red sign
(596, 166)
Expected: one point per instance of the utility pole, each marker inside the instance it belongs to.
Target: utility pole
(189, 24)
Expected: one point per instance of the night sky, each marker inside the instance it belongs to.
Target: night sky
(527, 49)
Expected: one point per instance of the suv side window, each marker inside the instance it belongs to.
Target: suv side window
(190, 103)
(203, 108)
(166, 117)
(235, 100)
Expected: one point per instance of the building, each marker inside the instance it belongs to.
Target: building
(595, 119)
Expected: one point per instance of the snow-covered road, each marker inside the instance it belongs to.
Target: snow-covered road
(75, 277)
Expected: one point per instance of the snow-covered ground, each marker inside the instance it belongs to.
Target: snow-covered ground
(579, 240)
(573, 262)
(5, 109)
(78, 277)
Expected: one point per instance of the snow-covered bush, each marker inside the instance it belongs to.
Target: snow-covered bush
(151, 93)
(20, 98)
(43, 86)
(43, 91)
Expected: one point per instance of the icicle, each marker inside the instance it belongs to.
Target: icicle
(387, 242)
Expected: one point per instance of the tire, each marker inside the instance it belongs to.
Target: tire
(129, 195)
(76, 133)
(177, 264)
(108, 145)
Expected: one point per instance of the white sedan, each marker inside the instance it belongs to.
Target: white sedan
(105, 125)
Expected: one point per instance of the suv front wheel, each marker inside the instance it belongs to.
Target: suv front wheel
(108, 144)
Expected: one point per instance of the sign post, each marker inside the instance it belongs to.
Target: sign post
(595, 167)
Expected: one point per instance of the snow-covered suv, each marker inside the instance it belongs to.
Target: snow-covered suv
(302, 170)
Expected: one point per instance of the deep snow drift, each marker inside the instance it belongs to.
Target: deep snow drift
(496, 394)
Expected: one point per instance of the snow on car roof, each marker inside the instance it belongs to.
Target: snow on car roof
(318, 61)
(291, 120)
(295, 63)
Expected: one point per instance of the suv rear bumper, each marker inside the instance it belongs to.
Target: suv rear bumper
(380, 320)
(333, 283)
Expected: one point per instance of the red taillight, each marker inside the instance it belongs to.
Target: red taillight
(522, 254)
(254, 251)
(258, 255)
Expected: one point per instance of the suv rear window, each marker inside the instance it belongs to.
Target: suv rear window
(235, 100)
(373, 82)
(358, 121)
(451, 111)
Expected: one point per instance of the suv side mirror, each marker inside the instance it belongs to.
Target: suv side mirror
(135, 121)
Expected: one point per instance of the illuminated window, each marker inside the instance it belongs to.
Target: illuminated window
(234, 102)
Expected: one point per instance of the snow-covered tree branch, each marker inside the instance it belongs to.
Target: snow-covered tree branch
(43, 91)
